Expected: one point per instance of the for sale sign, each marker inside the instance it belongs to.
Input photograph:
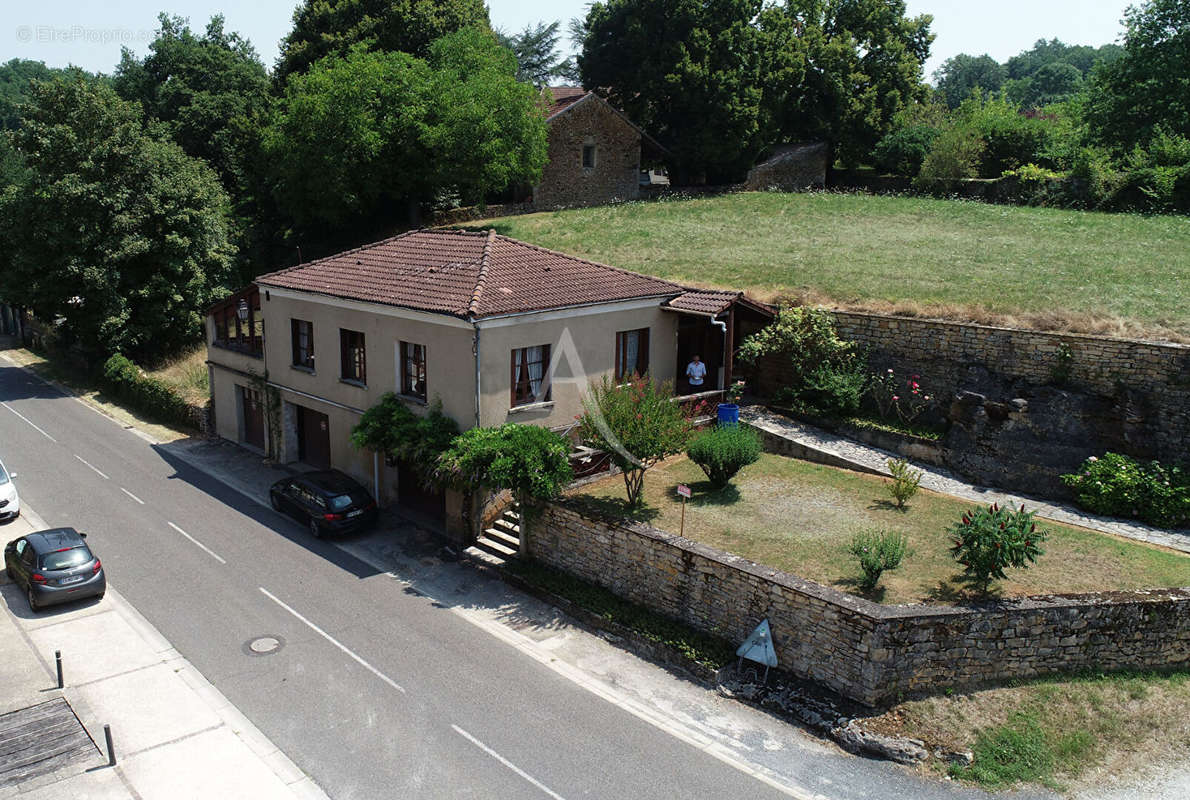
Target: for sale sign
(684, 490)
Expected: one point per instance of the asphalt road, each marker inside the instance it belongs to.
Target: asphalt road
(375, 692)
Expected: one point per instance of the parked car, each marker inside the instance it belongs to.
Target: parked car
(10, 502)
(326, 502)
(54, 566)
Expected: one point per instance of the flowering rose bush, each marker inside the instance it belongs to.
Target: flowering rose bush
(1119, 486)
(906, 400)
(986, 541)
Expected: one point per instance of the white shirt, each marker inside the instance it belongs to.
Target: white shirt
(696, 371)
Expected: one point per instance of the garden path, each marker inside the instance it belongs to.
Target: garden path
(829, 448)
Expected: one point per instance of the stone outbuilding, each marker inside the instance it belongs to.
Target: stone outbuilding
(595, 152)
(791, 168)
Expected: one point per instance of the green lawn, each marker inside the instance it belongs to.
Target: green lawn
(1037, 266)
(799, 517)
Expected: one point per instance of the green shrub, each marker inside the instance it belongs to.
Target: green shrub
(723, 451)
(905, 481)
(989, 540)
(954, 156)
(1119, 486)
(877, 551)
(835, 390)
(902, 151)
(391, 427)
(127, 383)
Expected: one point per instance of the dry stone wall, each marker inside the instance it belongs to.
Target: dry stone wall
(861, 649)
(615, 177)
(1015, 421)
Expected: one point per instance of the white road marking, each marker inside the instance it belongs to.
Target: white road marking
(205, 549)
(506, 762)
(130, 494)
(333, 641)
(22, 416)
(92, 466)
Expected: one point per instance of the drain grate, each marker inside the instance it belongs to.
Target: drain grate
(41, 739)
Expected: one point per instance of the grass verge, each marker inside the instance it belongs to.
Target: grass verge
(1061, 732)
(800, 517)
(1052, 269)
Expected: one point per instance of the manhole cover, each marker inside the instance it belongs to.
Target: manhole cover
(263, 645)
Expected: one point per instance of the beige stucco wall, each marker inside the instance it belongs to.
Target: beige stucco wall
(584, 336)
(450, 373)
(224, 387)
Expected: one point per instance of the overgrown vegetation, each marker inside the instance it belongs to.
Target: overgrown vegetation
(1121, 486)
(530, 461)
(127, 382)
(390, 427)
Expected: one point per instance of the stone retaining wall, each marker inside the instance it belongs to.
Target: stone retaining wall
(861, 649)
(1015, 421)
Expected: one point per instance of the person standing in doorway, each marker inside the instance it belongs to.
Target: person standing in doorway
(696, 372)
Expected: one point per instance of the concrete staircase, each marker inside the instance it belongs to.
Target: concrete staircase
(502, 540)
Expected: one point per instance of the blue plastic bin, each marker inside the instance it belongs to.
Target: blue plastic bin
(729, 414)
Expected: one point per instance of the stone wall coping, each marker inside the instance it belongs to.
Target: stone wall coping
(872, 611)
(1058, 335)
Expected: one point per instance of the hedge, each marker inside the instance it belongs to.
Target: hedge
(127, 383)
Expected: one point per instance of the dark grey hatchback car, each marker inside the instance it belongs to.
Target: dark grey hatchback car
(54, 566)
(326, 502)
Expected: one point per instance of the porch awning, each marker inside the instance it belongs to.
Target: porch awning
(712, 303)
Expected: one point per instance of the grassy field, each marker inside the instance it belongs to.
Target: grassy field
(800, 517)
(188, 375)
(1048, 268)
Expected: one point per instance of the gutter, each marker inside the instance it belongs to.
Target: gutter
(475, 351)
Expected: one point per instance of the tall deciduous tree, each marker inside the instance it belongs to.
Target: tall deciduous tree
(116, 231)
(865, 65)
(359, 139)
(333, 27)
(693, 74)
(1148, 87)
(959, 74)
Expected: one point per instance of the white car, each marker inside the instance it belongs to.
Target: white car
(10, 503)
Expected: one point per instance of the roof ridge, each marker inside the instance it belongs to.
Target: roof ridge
(362, 247)
(482, 279)
(677, 287)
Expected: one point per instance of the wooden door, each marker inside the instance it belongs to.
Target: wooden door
(253, 417)
(314, 438)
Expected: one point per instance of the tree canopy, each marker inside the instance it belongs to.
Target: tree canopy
(333, 27)
(537, 55)
(359, 138)
(116, 230)
(1147, 89)
(959, 74)
(210, 90)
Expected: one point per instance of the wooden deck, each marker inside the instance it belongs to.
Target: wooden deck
(41, 739)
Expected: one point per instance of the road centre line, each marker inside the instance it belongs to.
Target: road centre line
(92, 466)
(506, 762)
(333, 641)
(205, 549)
(130, 494)
(22, 416)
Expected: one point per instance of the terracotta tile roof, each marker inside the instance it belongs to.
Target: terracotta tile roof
(713, 302)
(466, 274)
(561, 98)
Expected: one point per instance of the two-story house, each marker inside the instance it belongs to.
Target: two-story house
(495, 329)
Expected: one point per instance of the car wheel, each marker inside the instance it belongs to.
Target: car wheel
(274, 502)
(99, 596)
(33, 605)
(315, 529)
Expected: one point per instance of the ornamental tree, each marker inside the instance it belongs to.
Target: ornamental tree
(986, 541)
(637, 424)
(390, 427)
(530, 461)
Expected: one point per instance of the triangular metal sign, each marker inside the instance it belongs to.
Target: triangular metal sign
(759, 646)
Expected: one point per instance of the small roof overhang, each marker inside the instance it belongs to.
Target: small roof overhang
(712, 303)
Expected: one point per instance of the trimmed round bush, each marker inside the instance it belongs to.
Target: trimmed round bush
(723, 451)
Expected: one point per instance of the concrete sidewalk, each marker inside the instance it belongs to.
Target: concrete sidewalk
(175, 735)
